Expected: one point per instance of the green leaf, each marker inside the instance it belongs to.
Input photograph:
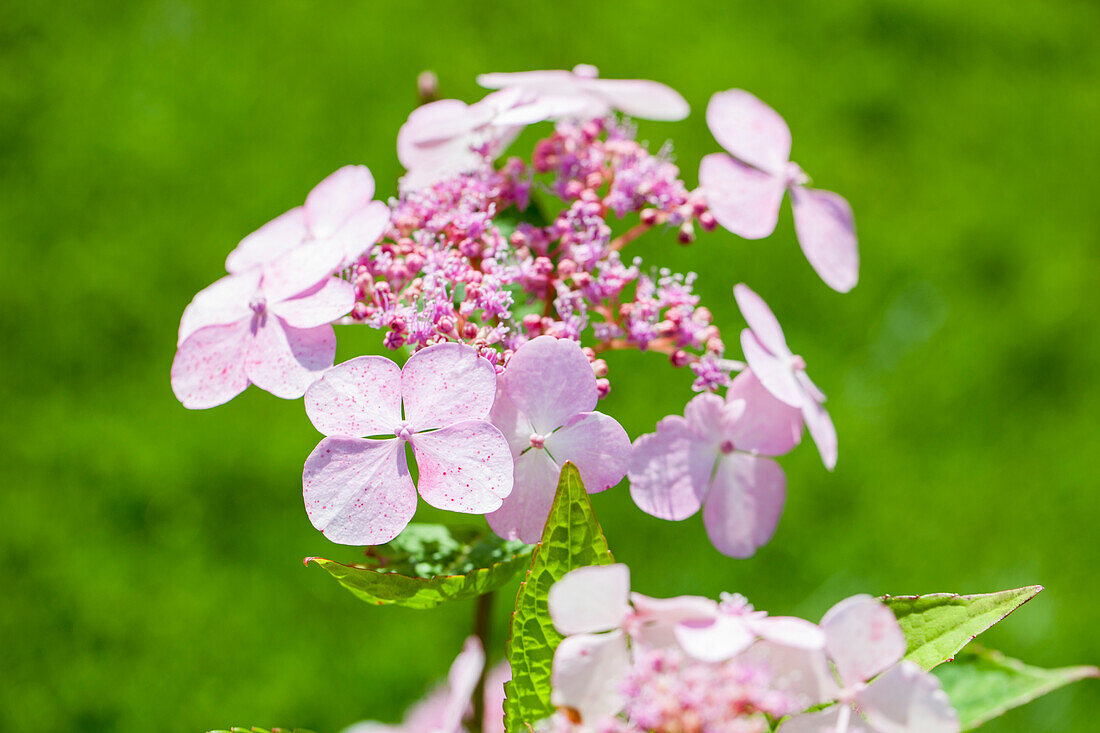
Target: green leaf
(262, 730)
(984, 684)
(938, 625)
(430, 564)
(572, 539)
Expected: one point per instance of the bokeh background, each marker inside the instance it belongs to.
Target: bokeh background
(150, 557)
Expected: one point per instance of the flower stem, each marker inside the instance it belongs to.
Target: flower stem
(482, 629)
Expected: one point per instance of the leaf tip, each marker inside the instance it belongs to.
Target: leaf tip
(312, 558)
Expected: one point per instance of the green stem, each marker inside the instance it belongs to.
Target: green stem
(482, 629)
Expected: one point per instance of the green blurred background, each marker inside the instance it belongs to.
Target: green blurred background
(150, 557)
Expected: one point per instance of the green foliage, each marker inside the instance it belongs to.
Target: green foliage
(572, 539)
(262, 730)
(430, 564)
(984, 684)
(938, 625)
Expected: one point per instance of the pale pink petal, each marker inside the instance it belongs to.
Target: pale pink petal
(361, 230)
(225, 301)
(426, 714)
(358, 492)
(822, 721)
(717, 640)
(765, 425)
(906, 698)
(809, 387)
(493, 721)
(587, 672)
(776, 373)
(550, 380)
(744, 504)
(750, 130)
(462, 679)
(445, 383)
(300, 269)
(826, 232)
(280, 235)
(590, 599)
(655, 619)
(334, 199)
(370, 726)
(789, 631)
(209, 366)
(284, 360)
(464, 467)
(523, 513)
(360, 397)
(822, 430)
(761, 320)
(670, 470)
(801, 673)
(436, 122)
(708, 419)
(743, 199)
(862, 638)
(318, 306)
(556, 80)
(597, 444)
(513, 424)
(649, 100)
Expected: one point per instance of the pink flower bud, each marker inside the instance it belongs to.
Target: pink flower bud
(566, 268)
(599, 367)
(603, 388)
(532, 322)
(679, 358)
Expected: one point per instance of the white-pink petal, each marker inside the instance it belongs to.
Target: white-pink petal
(822, 721)
(744, 200)
(358, 492)
(361, 230)
(223, 302)
(863, 638)
(906, 699)
(670, 470)
(464, 467)
(523, 514)
(550, 380)
(776, 373)
(323, 304)
(761, 320)
(462, 680)
(822, 430)
(284, 360)
(511, 422)
(336, 198)
(300, 269)
(750, 130)
(597, 444)
(590, 599)
(360, 397)
(587, 672)
(717, 640)
(278, 236)
(766, 425)
(649, 100)
(445, 383)
(655, 619)
(826, 232)
(208, 369)
(744, 504)
(789, 631)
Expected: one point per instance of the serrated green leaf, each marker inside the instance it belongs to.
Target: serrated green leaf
(984, 684)
(428, 565)
(572, 539)
(938, 625)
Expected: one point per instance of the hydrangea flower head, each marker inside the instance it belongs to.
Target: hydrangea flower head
(358, 490)
(715, 457)
(782, 372)
(544, 407)
(744, 187)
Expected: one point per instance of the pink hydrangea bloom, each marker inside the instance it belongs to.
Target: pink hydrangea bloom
(581, 94)
(544, 407)
(744, 188)
(715, 458)
(879, 692)
(358, 490)
(782, 372)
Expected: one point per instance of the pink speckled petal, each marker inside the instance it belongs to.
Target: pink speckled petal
(361, 230)
(360, 397)
(280, 235)
(358, 492)
(826, 232)
(464, 467)
(744, 504)
(716, 640)
(863, 638)
(765, 425)
(209, 366)
(318, 306)
(550, 380)
(743, 199)
(649, 100)
(514, 425)
(774, 372)
(224, 302)
(761, 320)
(523, 513)
(822, 430)
(906, 698)
(445, 383)
(334, 199)
(597, 444)
(284, 360)
(587, 672)
(590, 599)
(750, 130)
(301, 269)
(670, 470)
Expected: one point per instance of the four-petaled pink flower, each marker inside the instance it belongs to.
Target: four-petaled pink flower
(358, 490)
(581, 94)
(744, 189)
(782, 372)
(880, 692)
(714, 457)
(544, 407)
(339, 213)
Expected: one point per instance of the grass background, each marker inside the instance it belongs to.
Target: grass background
(150, 556)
